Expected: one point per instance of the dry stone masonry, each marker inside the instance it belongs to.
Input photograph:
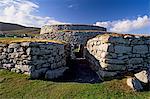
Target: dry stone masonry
(56, 28)
(38, 59)
(110, 53)
(76, 36)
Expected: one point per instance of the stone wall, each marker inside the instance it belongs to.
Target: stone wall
(55, 28)
(38, 59)
(74, 38)
(118, 52)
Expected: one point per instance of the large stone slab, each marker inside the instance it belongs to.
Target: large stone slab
(143, 76)
(134, 84)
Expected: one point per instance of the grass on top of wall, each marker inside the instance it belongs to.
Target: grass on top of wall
(18, 86)
(16, 40)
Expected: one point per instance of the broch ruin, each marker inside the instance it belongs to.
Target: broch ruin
(109, 54)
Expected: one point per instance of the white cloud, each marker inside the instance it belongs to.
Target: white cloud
(21, 12)
(126, 25)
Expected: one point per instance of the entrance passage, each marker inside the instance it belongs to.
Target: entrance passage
(79, 51)
(80, 72)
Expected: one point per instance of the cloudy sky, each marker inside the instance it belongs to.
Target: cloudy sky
(125, 16)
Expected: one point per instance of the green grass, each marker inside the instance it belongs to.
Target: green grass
(18, 86)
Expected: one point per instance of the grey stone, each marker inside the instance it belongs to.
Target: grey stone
(119, 40)
(122, 49)
(134, 84)
(28, 51)
(136, 61)
(25, 44)
(52, 74)
(1, 49)
(141, 49)
(104, 74)
(46, 65)
(14, 45)
(3, 45)
(13, 70)
(107, 47)
(36, 74)
(142, 76)
(3, 56)
(10, 50)
(112, 66)
(8, 66)
(114, 61)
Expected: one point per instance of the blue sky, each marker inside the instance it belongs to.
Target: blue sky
(90, 11)
(126, 16)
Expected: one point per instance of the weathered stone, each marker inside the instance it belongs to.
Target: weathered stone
(118, 40)
(20, 49)
(36, 74)
(25, 44)
(123, 57)
(122, 49)
(142, 76)
(137, 41)
(136, 61)
(1, 49)
(10, 50)
(141, 49)
(14, 45)
(3, 56)
(18, 57)
(107, 47)
(8, 66)
(13, 70)
(134, 84)
(106, 74)
(3, 45)
(54, 28)
(23, 68)
(112, 66)
(28, 51)
(114, 61)
(47, 65)
(52, 74)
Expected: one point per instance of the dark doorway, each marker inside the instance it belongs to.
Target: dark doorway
(79, 51)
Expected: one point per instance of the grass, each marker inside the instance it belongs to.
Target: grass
(18, 86)
(16, 40)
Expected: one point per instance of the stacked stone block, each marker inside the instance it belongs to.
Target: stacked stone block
(72, 37)
(56, 28)
(118, 52)
(34, 58)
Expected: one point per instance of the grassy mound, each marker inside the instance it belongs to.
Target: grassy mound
(15, 40)
(18, 86)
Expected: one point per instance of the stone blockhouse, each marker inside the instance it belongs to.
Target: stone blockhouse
(74, 34)
(108, 53)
